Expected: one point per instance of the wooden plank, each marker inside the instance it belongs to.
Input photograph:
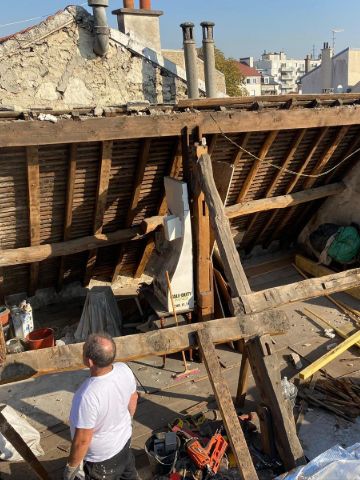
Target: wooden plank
(239, 152)
(15, 439)
(283, 201)
(33, 182)
(100, 205)
(129, 127)
(233, 269)
(224, 102)
(173, 171)
(225, 403)
(329, 356)
(243, 378)
(297, 292)
(290, 188)
(266, 370)
(18, 256)
(271, 137)
(131, 213)
(317, 270)
(289, 157)
(69, 206)
(132, 347)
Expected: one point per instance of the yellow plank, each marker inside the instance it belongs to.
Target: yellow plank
(316, 270)
(329, 356)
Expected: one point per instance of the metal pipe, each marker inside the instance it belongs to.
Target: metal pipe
(101, 27)
(307, 64)
(209, 58)
(191, 57)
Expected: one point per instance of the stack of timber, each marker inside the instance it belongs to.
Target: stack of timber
(337, 395)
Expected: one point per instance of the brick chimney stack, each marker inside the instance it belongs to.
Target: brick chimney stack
(141, 24)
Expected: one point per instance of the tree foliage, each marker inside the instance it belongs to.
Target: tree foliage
(234, 81)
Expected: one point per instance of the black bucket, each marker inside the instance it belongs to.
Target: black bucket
(158, 464)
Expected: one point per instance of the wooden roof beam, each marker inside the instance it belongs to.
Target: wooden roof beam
(69, 206)
(101, 199)
(33, 182)
(289, 157)
(270, 138)
(134, 202)
(16, 133)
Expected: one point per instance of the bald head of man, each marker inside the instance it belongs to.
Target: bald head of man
(99, 350)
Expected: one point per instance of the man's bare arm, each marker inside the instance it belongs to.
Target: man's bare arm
(133, 403)
(80, 446)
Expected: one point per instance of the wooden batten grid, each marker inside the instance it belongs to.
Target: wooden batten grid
(289, 157)
(69, 206)
(101, 198)
(290, 188)
(33, 181)
(139, 176)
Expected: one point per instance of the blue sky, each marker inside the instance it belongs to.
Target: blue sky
(242, 27)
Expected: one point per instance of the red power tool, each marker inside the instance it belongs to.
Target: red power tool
(208, 457)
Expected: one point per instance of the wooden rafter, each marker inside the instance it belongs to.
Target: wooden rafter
(212, 143)
(270, 138)
(134, 202)
(148, 126)
(289, 157)
(101, 198)
(300, 291)
(175, 165)
(239, 152)
(18, 256)
(33, 181)
(283, 201)
(321, 164)
(69, 206)
(354, 145)
(290, 188)
(325, 158)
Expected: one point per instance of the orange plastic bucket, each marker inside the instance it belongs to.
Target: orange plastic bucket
(42, 338)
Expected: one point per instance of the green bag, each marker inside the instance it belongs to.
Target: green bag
(346, 245)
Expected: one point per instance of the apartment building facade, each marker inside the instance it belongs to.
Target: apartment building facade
(287, 72)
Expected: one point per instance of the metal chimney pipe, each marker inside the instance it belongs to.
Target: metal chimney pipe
(191, 64)
(129, 4)
(101, 27)
(209, 58)
(307, 63)
(145, 4)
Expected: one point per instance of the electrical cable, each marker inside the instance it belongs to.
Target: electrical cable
(291, 172)
(32, 19)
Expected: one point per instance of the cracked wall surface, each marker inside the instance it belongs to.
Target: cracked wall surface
(53, 65)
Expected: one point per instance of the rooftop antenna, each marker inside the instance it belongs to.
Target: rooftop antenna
(334, 32)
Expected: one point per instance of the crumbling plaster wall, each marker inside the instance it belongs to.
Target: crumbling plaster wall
(342, 209)
(60, 70)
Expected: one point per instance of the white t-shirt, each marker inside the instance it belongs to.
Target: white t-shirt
(102, 403)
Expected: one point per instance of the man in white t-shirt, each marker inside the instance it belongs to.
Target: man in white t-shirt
(100, 418)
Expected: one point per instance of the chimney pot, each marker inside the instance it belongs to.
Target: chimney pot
(129, 4)
(145, 4)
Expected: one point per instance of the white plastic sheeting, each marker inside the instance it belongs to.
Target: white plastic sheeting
(337, 463)
(28, 433)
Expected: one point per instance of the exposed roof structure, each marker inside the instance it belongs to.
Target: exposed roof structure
(86, 175)
(247, 71)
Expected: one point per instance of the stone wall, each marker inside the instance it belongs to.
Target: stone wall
(53, 65)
